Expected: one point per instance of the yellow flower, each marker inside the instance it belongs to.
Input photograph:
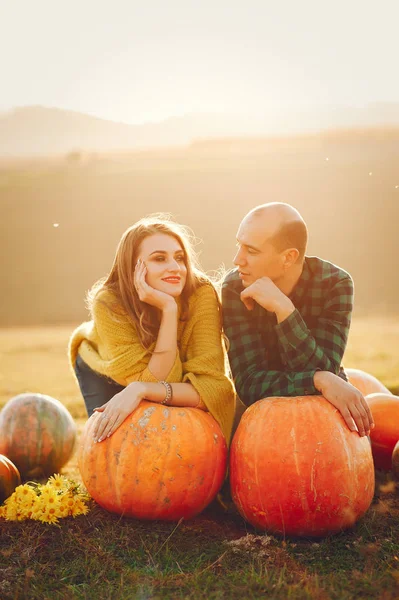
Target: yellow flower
(62, 510)
(58, 482)
(38, 510)
(49, 496)
(49, 516)
(25, 511)
(59, 497)
(25, 496)
(83, 495)
(68, 501)
(47, 490)
(11, 512)
(79, 508)
(53, 500)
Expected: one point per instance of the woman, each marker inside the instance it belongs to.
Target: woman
(155, 332)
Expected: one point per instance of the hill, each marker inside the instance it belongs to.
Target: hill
(37, 130)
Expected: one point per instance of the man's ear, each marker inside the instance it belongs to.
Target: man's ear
(290, 257)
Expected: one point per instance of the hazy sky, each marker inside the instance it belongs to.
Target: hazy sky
(143, 61)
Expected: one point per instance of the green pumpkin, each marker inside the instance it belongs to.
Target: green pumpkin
(37, 433)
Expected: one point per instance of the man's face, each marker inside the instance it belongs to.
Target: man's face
(256, 257)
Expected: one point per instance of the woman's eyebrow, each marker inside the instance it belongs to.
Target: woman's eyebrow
(164, 252)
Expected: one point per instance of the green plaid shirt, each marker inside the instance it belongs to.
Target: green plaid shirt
(280, 359)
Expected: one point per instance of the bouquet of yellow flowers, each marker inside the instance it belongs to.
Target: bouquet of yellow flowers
(59, 497)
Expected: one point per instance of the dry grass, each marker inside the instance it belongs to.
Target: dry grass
(373, 346)
(34, 359)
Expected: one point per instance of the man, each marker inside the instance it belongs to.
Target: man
(287, 316)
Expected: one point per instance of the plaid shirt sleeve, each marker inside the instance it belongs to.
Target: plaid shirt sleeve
(322, 347)
(253, 377)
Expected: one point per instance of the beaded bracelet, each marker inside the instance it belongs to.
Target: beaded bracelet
(169, 392)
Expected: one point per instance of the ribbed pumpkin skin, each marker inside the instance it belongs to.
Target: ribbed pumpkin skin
(9, 478)
(161, 463)
(296, 469)
(385, 411)
(37, 433)
(366, 383)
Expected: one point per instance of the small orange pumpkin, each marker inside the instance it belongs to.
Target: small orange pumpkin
(161, 463)
(9, 478)
(365, 382)
(385, 411)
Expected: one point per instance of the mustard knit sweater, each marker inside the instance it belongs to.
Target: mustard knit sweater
(109, 344)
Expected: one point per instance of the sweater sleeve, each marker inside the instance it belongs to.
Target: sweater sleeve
(205, 364)
(323, 346)
(123, 357)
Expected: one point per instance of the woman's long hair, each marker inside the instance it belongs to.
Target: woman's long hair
(120, 280)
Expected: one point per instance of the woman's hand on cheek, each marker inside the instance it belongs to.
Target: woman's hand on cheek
(147, 293)
(112, 414)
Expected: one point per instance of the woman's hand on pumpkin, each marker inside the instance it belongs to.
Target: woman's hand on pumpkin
(347, 399)
(148, 294)
(114, 412)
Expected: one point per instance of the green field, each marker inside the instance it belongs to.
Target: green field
(217, 555)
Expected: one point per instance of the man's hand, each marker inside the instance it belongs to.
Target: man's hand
(265, 293)
(349, 401)
(115, 411)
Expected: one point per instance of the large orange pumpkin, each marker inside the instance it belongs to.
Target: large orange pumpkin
(385, 411)
(161, 463)
(37, 433)
(365, 383)
(296, 468)
(9, 478)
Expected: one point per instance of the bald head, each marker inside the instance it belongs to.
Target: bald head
(278, 211)
(283, 226)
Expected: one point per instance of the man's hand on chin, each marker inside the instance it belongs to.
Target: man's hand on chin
(265, 293)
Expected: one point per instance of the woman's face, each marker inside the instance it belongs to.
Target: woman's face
(165, 260)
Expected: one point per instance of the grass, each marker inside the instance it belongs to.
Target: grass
(216, 555)
(213, 556)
